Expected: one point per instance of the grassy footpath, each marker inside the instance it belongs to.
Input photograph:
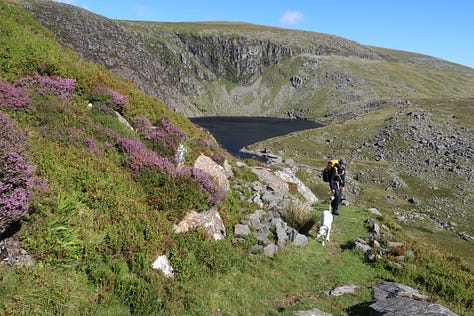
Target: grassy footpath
(293, 280)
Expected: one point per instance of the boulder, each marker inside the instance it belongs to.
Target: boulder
(287, 174)
(270, 250)
(402, 306)
(212, 168)
(210, 221)
(344, 289)
(311, 312)
(277, 184)
(180, 156)
(11, 253)
(241, 230)
(162, 263)
(296, 238)
(386, 290)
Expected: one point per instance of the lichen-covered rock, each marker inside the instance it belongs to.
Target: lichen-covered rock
(210, 221)
(212, 168)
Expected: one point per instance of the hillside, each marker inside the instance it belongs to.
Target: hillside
(99, 177)
(231, 69)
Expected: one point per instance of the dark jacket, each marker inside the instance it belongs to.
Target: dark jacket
(337, 178)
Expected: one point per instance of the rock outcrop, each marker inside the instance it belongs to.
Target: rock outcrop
(398, 299)
(210, 221)
(215, 170)
(12, 255)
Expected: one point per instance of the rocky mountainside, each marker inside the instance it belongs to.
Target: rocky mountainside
(243, 69)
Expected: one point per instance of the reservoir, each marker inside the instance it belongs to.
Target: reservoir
(236, 132)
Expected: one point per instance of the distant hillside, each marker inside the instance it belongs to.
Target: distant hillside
(218, 68)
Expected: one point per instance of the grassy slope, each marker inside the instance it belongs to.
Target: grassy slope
(93, 235)
(350, 140)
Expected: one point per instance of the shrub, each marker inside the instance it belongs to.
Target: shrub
(11, 139)
(109, 99)
(16, 173)
(15, 180)
(195, 254)
(65, 135)
(298, 215)
(15, 98)
(108, 132)
(91, 146)
(150, 161)
(219, 158)
(130, 146)
(164, 138)
(205, 181)
(42, 85)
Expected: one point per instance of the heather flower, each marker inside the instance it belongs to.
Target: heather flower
(91, 146)
(108, 132)
(172, 130)
(109, 99)
(206, 142)
(219, 158)
(117, 98)
(141, 123)
(15, 98)
(15, 180)
(205, 181)
(42, 85)
(16, 173)
(130, 146)
(149, 161)
(66, 136)
(164, 138)
(11, 139)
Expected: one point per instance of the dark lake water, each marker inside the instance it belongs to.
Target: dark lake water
(234, 133)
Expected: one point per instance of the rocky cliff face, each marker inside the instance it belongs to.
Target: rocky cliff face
(175, 66)
(242, 69)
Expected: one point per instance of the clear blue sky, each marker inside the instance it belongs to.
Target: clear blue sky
(439, 28)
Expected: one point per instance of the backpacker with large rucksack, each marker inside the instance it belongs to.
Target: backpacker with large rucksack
(333, 163)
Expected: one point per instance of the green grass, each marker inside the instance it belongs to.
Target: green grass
(293, 280)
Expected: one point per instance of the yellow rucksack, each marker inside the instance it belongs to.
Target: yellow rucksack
(327, 171)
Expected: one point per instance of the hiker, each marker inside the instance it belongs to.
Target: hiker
(337, 182)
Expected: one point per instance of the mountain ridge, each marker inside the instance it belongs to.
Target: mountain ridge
(204, 68)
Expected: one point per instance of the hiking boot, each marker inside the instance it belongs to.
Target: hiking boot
(335, 212)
